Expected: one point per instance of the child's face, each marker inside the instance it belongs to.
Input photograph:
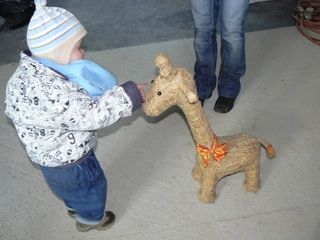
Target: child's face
(77, 52)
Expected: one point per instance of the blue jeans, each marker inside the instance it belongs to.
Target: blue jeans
(233, 59)
(82, 187)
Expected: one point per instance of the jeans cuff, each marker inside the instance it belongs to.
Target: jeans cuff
(89, 222)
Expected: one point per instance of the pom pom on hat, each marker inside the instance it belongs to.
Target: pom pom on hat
(53, 32)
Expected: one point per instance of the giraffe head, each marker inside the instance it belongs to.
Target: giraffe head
(173, 86)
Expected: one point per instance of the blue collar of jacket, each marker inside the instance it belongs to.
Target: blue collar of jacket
(87, 74)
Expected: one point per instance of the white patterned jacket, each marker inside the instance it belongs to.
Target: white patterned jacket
(55, 119)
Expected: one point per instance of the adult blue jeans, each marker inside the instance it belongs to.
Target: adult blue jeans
(233, 59)
(82, 187)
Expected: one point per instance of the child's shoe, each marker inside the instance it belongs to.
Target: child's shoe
(72, 213)
(104, 224)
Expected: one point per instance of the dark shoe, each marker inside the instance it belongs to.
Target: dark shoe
(223, 104)
(105, 223)
(72, 213)
(202, 100)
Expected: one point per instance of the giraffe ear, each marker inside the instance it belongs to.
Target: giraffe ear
(192, 97)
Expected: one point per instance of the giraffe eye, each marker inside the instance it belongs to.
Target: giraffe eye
(152, 81)
(159, 93)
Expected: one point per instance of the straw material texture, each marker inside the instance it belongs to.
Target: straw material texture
(217, 157)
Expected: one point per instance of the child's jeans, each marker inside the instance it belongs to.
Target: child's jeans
(83, 188)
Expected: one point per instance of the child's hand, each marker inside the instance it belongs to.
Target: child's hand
(140, 87)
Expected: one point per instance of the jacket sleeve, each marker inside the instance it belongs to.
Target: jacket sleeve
(85, 113)
(53, 103)
(134, 94)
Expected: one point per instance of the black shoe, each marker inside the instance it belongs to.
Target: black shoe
(223, 104)
(202, 100)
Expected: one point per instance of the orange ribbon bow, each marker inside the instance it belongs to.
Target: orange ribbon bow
(218, 152)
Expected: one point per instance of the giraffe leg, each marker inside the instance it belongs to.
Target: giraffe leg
(252, 182)
(207, 193)
(196, 172)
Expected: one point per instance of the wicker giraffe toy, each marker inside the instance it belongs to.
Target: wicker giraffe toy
(217, 157)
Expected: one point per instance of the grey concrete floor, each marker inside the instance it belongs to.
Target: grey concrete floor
(148, 161)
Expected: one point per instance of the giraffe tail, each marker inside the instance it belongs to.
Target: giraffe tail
(271, 153)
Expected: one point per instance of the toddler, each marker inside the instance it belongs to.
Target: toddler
(57, 101)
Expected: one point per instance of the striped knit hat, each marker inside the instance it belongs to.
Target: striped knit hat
(53, 32)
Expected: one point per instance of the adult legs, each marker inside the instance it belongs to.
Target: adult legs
(205, 15)
(233, 58)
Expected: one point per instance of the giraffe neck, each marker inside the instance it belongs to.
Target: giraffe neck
(198, 122)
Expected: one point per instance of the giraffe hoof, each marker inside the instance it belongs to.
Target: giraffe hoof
(251, 188)
(207, 199)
